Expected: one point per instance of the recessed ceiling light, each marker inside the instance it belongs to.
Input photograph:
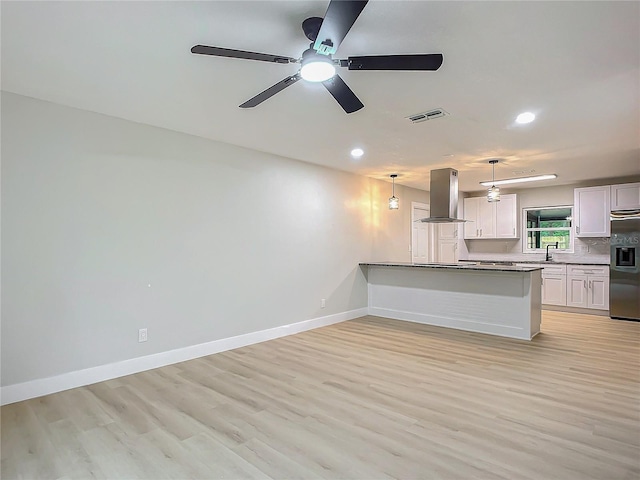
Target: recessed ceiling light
(526, 117)
(357, 152)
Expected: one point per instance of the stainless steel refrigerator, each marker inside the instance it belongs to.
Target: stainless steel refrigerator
(624, 286)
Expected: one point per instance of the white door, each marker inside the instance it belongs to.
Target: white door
(420, 234)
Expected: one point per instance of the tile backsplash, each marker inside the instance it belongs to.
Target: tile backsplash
(587, 250)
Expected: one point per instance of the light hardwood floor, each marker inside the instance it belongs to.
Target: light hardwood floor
(369, 398)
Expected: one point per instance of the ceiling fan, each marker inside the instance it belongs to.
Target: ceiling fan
(317, 64)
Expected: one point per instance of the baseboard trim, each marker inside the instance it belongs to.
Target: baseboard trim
(586, 311)
(45, 386)
(508, 331)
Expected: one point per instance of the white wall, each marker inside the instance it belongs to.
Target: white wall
(109, 226)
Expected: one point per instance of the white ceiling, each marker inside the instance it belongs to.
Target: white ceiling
(575, 64)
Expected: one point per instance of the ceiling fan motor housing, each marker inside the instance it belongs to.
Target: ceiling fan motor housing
(311, 27)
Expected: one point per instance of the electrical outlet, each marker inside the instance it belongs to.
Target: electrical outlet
(142, 335)
(323, 303)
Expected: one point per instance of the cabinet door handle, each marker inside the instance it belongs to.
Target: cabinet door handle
(477, 232)
(585, 283)
(480, 232)
(577, 229)
(514, 232)
(589, 283)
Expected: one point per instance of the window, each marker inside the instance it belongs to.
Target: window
(546, 226)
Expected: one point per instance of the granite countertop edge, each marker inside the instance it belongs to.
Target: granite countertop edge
(543, 262)
(491, 268)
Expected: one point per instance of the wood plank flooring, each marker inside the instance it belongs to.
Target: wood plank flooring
(371, 398)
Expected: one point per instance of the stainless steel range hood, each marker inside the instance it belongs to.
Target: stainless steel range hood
(443, 191)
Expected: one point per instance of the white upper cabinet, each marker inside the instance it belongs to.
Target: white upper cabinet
(625, 196)
(591, 209)
(471, 210)
(507, 216)
(491, 219)
(480, 215)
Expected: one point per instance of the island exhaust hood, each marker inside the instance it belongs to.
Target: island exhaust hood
(443, 191)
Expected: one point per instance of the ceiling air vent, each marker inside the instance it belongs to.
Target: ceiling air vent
(421, 117)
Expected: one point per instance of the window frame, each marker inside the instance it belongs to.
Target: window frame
(526, 230)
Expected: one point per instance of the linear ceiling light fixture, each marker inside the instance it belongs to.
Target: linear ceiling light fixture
(394, 203)
(506, 181)
(493, 195)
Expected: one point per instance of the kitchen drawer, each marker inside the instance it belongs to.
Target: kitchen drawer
(553, 269)
(602, 270)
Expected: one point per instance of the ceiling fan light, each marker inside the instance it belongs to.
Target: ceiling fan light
(317, 70)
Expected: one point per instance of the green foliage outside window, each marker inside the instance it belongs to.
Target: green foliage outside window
(546, 226)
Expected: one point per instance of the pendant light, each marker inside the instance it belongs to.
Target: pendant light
(493, 194)
(394, 203)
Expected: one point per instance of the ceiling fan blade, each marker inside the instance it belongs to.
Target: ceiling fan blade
(227, 52)
(343, 94)
(424, 61)
(271, 91)
(340, 17)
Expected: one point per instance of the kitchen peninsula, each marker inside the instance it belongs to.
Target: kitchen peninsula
(494, 299)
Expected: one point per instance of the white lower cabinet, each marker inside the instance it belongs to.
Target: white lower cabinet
(588, 286)
(598, 293)
(583, 286)
(554, 289)
(577, 291)
(554, 284)
(447, 245)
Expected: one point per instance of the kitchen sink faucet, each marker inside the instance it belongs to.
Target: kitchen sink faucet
(548, 257)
